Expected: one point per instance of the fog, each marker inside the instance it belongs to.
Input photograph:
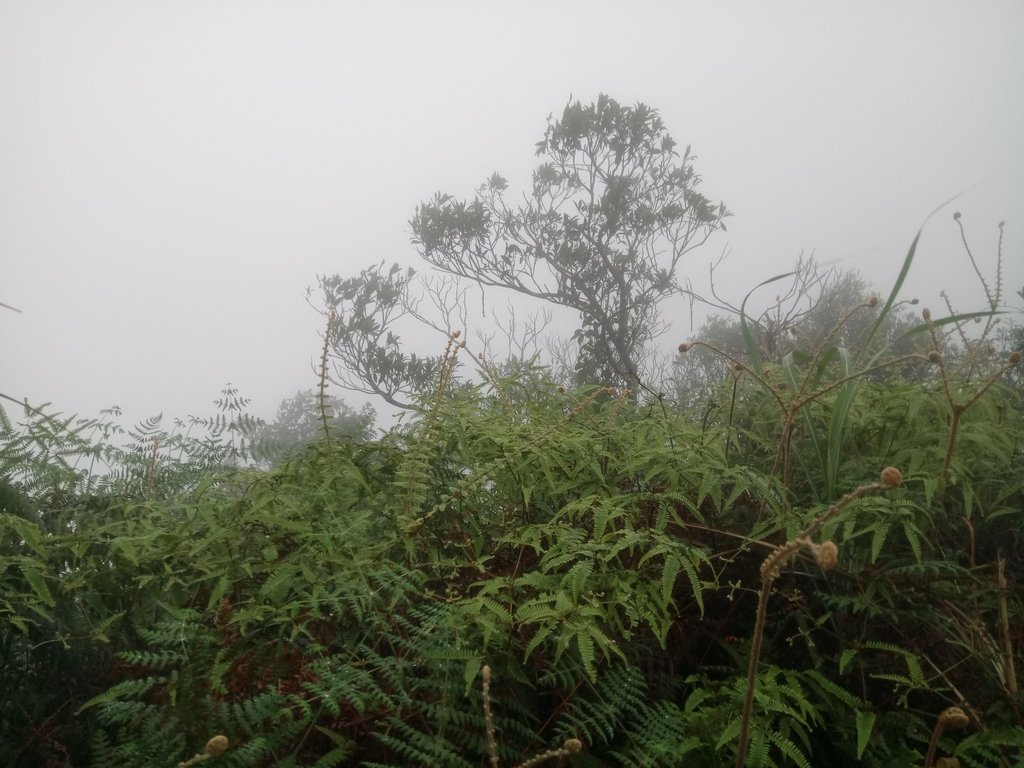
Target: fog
(173, 175)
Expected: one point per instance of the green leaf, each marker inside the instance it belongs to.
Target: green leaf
(344, 747)
(38, 583)
(673, 564)
(753, 351)
(577, 577)
(539, 637)
(128, 689)
(901, 278)
(18, 622)
(879, 533)
(218, 592)
(585, 643)
(471, 670)
(789, 749)
(28, 531)
(838, 422)
(527, 491)
(865, 727)
(913, 538)
(696, 585)
(950, 320)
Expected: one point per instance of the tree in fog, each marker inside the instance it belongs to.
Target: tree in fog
(299, 422)
(818, 307)
(363, 346)
(612, 210)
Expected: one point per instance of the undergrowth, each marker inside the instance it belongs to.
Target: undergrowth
(560, 576)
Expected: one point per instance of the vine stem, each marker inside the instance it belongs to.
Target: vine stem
(954, 426)
(755, 658)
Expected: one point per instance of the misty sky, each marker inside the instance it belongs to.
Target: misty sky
(173, 175)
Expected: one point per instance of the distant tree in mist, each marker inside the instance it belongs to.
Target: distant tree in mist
(362, 342)
(298, 423)
(815, 309)
(612, 209)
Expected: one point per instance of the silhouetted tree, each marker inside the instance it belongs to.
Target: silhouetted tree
(612, 210)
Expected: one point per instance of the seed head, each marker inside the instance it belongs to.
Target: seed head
(1014, 358)
(217, 745)
(934, 357)
(873, 301)
(892, 477)
(827, 555)
(926, 313)
(954, 717)
(684, 348)
(956, 216)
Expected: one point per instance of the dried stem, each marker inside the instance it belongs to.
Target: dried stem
(826, 555)
(324, 406)
(956, 408)
(492, 746)
(570, 747)
(151, 475)
(951, 717)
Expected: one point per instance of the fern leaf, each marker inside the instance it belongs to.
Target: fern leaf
(789, 749)
(127, 689)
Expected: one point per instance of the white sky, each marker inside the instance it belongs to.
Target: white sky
(173, 175)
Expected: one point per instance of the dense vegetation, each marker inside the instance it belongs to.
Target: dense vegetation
(805, 551)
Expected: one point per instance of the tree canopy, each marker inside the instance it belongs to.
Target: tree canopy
(299, 423)
(611, 211)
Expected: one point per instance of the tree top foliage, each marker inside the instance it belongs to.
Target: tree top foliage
(611, 211)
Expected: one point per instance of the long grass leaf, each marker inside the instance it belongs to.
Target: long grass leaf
(748, 338)
(901, 278)
(789, 368)
(922, 327)
(837, 424)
